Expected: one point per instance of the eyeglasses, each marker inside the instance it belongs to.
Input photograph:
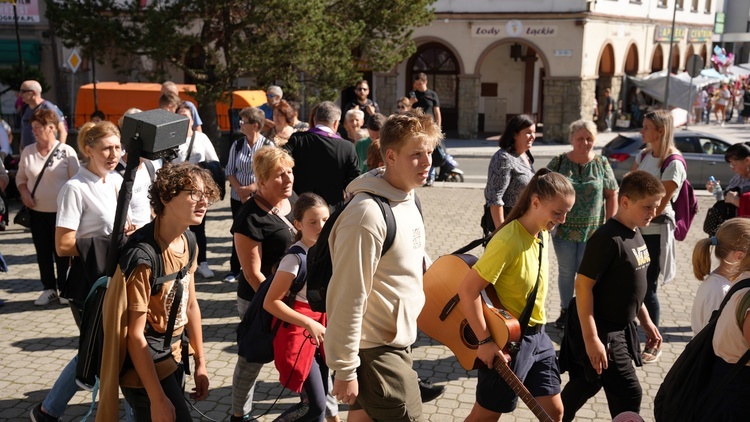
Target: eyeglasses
(197, 195)
(271, 95)
(24, 91)
(362, 89)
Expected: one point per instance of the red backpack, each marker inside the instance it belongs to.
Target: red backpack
(685, 206)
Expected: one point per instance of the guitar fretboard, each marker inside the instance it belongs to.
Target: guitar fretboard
(517, 386)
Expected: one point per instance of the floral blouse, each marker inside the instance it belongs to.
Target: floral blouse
(507, 175)
(589, 181)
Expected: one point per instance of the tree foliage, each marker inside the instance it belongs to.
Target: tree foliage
(316, 45)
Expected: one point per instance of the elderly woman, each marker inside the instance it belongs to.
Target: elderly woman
(353, 121)
(86, 208)
(283, 119)
(263, 231)
(509, 171)
(239, 170)
(596, 201)
(657, 133)
(39, 194)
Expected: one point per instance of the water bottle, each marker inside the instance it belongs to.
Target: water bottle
(718, 193)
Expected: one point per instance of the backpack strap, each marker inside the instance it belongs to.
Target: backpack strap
(670, 158)
(299, 281)
(151, 170)
(390, 221)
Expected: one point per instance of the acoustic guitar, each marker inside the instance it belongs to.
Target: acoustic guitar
(442, 319)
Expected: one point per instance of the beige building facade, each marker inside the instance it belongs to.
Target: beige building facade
(491, 60)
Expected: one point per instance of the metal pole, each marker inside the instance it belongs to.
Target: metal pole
(690, 104)
(18, 42)
(669, 61)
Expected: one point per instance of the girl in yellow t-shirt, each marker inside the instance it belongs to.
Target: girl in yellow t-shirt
(512, 264)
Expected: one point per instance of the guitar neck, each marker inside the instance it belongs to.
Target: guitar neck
(517, 386)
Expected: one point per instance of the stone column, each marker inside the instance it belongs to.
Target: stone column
(565, 101)
(385, 91)
(468, 106)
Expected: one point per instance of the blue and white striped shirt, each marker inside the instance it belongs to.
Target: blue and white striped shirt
(240, 164)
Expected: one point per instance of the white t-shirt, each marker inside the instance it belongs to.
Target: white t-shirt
(708, 299)
(140, 205)
(290, 264)
(729, 341)
(87, 203)
(203, 150)
(675, 172)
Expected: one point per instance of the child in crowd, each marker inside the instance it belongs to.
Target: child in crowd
(601, 338)
(514, 262)
(715, 284)
(300, 364)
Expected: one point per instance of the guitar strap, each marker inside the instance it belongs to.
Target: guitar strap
(523, 321)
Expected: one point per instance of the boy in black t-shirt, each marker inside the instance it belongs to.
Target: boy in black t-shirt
(600, 335)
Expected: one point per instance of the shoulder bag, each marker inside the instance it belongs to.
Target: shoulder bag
(23, 218)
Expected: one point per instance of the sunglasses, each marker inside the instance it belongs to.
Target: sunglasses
(271, 95)
(23, 91)
(362, 89)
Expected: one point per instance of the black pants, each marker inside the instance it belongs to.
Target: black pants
(653, 244)
(234, 261)
(200, 236)
(173, 389)
(314, 389)
(619, 380)
(43, 236)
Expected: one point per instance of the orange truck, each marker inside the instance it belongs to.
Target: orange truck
(113, 98)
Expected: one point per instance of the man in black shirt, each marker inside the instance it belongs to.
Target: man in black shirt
(426, 99)
(324, 163)
(362, 103)
(600, 335)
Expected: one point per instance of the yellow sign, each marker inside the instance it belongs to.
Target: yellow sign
(74, 60)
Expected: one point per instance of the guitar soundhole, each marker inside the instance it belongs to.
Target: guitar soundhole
(467, 336)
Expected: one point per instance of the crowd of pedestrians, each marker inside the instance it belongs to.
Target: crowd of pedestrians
(614, 245)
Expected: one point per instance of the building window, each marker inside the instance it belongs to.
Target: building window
(636, 2)
(707, 7)
(694, 7)
(662, 4)
(680, 4)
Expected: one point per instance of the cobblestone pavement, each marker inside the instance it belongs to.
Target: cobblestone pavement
(39, 341)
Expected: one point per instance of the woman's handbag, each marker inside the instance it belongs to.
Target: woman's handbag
(717, 214)
(23, 218)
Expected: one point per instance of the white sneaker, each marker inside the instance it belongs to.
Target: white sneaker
(63, 301)
(230, 278)
(204, 270)
(45, 298)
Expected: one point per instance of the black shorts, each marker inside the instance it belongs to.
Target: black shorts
(535, 365)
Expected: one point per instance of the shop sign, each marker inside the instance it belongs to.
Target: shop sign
(513, 28)
(662, 33)
(28, 11)
(563, 53)
(699, 35)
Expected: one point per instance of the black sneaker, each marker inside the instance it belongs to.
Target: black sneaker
(239, 418)
(560, 321)
(37, 415)
(428, 391)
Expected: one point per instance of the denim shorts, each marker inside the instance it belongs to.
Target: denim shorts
(535, 365)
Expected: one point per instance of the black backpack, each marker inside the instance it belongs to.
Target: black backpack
(319, 263)
(687, 380)
(255, 333)
(141, 248)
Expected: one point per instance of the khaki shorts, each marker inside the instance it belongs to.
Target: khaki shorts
(388, 387)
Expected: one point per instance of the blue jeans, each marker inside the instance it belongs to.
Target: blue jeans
(569, 256)
(64, 389)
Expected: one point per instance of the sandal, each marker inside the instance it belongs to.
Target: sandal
(650, 355)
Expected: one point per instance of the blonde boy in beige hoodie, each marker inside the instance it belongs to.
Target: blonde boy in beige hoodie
(373, 301)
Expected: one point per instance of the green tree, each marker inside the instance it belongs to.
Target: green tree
(316, 45)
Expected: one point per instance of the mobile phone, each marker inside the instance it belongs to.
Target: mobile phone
(412, 94)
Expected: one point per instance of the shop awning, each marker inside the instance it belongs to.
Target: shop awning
(30, 49)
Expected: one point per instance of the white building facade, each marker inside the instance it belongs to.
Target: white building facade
(490, 60)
